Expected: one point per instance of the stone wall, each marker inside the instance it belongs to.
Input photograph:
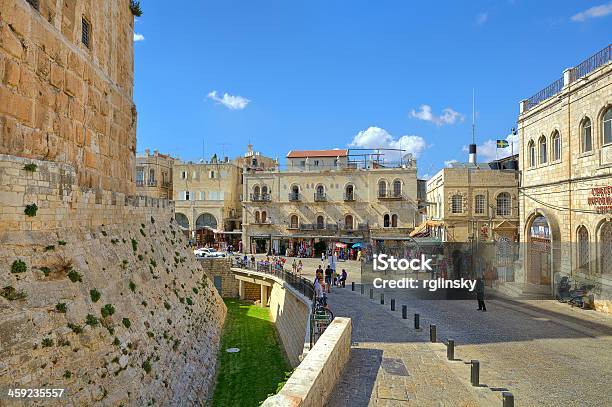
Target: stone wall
(252, 292)
(290, 312)
(315, 379)
(65, 102)
(220, 267)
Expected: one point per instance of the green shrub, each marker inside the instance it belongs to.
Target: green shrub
(126, 322)
(77, 329)
(152, 219)
(167, 305)
(103, 232)
(91, 320)
(144, 303)
(153, 263)
(31, 209)
(116, 342)
(18, 266)
(146, 366)
(50, 248)
(31, 167)
(61, 307)
(143, 233)
(61, 243)
(75, 276)
(140, 257)
(132, 286)
(46, 271)
(195, 290)
(95, 295)
(67, 374)
(189, 301)
(47, 342)
(150, 334)
(11, 294)
(107, 310)
(134, 245)
(114, 241)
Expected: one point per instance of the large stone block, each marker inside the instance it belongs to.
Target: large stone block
(10, 42)
(11, 73)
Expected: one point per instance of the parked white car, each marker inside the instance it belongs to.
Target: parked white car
(208, 252)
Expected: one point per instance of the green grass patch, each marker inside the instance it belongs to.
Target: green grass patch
(260, 368)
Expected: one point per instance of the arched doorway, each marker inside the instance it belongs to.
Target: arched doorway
(205, 226)
(182, 220)
(539, 251)
(206, 220)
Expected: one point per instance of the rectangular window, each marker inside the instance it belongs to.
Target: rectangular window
(202, 195)
(316, 162)
(187, 195)
(183, 174)
(86, 32)
(479, 205)
(211, 174)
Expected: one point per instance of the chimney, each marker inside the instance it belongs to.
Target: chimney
(472, 156)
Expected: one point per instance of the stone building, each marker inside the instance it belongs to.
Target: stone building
(154, 174)
(72, 233)
(565, 135)
(323, 198)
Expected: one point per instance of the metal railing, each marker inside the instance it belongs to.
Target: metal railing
(548, 92)
(302, 285)
(294, 196)
(390, 195)
(152, 182)
(349, 197)
(590, 64)
(261, 198)
(587, 66)
(307, 226)
(139, 183)
(363, 226)
(320, 197)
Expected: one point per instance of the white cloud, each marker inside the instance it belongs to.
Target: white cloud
(488, 150)
(138, 37)
(449, 163)
(482, 18)
(229, 101)
(593, 12)
(448, 116)
(375, 137)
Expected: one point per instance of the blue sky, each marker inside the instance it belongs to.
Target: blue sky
(323, 74)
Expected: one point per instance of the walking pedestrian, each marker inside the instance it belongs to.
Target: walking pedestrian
(480, 287)
(328, 278)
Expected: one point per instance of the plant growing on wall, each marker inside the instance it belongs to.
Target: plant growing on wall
(77, 329)
(47, 342)
(11, 294)
(134, 245)
(95, 295)
(30, 210)
(91, 320)
(126, 322)
(75, 276)
(18, 266)
(61, 307)
(31, 167)
(107, 310)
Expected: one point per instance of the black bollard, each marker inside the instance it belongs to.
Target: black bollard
(382, 298)
(371, 293)
(432, 333)
(352, 286)
(417, 321)
(392, 304)
(450, 350)
(404, 312)
(475, 373)
(508, 399)
(361, 285)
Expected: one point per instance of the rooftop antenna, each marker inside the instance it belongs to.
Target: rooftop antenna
(472, 156)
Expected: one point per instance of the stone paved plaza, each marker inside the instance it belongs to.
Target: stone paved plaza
(544, 352)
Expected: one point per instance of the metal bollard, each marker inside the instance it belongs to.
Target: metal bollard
(417, 321)
(508, 399)
(392, 304)
(404, 312)
(382, 298)
(371, 293)
(352, 286)
(432, 333)
(475, 373)
(450, 350)
(361, 285)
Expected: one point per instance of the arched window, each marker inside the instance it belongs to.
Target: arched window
(386, 221)
(397, 188)
(606, 247)
(256, 192)
(382, 188)
(587, 138)
(257, 217)
(294, 223)
(394, 220)
(348, 222)
(349, 193)
(543, 147)
(556, 146)
(583, 247)
(264, 216)
(607, 126)
(479, 205)
(294, 195)
(320, 222)
(504, 202)
(457, 203)
(264, 190)
(320, 190)
(531, 153)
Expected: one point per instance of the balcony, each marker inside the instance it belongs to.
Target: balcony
(363, 226)
(140, 183)
(261, 198)
(294, 196)
(349, 197)
(390, 195)
(152, 183)
(307, 226)
(320, 197)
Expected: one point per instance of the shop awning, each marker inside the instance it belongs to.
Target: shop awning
(423, 228)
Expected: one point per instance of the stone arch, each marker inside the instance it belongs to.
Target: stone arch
(542, 254)
(600, 123)
(182, 220)
(206, 220)
(383, 187)
(603, 239)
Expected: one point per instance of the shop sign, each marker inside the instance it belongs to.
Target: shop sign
(601, 199)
